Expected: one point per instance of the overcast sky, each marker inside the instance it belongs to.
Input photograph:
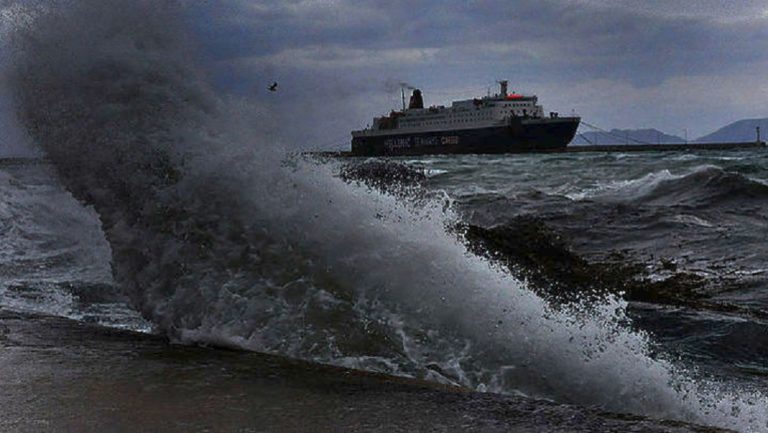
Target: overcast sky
(669, 64)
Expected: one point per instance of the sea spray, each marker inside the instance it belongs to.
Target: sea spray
(217, 235)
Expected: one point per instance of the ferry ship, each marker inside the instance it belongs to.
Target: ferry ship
(501, 123)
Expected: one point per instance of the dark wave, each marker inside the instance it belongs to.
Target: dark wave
(705, 186)
(106, 110)
(211, 241)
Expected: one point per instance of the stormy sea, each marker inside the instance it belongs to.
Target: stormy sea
(169, 264)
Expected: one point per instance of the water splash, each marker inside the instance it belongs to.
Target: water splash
(218, 236)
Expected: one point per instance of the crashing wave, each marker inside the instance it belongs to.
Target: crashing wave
(218, 237)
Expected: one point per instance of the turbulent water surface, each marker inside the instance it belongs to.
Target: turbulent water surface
(163, 208)
(685, 213)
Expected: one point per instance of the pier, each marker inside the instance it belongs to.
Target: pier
(672, 147)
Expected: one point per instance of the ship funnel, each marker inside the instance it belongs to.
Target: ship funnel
(416, 100)
(503, 84)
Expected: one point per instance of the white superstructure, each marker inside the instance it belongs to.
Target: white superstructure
(488, 111)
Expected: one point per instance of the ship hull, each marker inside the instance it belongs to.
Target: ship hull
(522, 136)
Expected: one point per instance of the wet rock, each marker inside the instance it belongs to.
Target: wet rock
(531, 251)
(534, 252)
(387, 176)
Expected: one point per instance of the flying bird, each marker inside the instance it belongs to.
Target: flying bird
(273, 87)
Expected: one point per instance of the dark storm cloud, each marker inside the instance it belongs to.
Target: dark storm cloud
(599, 41)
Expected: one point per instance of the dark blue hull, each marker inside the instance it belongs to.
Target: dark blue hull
(533, 135)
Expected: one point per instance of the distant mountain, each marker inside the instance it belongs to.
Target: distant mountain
(626, 136)
(742, 130)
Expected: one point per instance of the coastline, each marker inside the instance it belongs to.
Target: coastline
(63, 375)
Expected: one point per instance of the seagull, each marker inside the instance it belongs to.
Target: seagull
(273, 87)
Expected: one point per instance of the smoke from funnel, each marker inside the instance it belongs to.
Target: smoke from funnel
(393, 85)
